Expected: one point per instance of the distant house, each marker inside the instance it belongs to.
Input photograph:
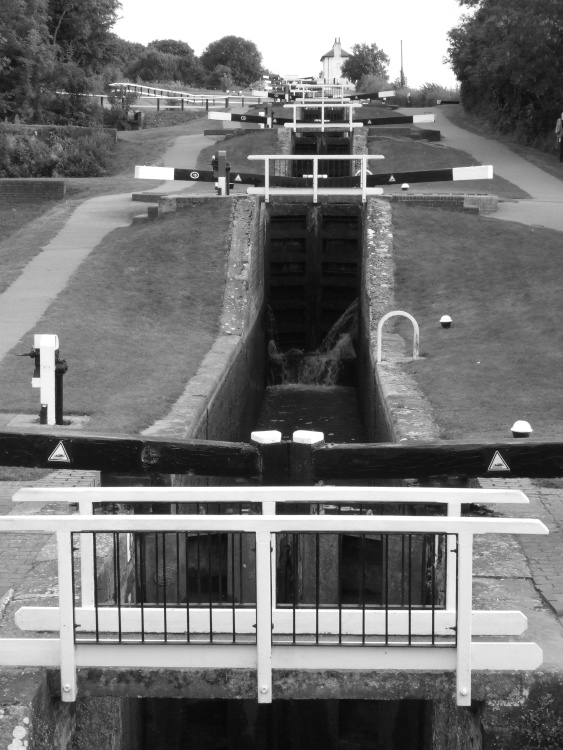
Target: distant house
(332, 64)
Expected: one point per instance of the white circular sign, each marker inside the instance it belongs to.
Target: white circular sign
(243, 117)
(194, 175)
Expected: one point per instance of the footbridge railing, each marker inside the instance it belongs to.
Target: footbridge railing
(315, 175)
(342, 588)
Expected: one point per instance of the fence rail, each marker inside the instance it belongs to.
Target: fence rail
(321, 175)
(310, 629)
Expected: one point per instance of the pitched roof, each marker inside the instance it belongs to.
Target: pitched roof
(330, 53)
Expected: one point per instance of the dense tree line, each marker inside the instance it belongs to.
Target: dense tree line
(49, 46)
(508, 57)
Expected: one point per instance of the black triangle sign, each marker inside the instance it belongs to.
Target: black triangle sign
(498, 463)
(59, 454)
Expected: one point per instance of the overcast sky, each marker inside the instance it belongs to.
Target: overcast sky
(292, 35)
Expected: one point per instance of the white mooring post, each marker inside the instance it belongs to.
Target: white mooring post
(47, 345)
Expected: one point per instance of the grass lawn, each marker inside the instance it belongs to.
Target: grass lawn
(239, 147)
(134, 321)
(409, 155)
(500, 282)
(24, 230)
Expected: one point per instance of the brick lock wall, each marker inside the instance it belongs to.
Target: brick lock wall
(16, 190)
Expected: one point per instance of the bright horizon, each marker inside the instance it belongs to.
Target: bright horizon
(293, 39)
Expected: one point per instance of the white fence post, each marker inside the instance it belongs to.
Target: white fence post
(66, 610)
(454, 511)
(87, 552)
(264, 616)
(464, 608)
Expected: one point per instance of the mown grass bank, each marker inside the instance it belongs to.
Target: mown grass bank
(500, 282)
(134, 322)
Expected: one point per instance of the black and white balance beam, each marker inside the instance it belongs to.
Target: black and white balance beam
(194, 175)
(230, 117)
(398, 119)
(373, 95)
(455, 174)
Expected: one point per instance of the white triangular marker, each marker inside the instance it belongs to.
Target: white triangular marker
(238, 178)
(59, 454)
(369, 122)
(392, 179)
(498, 463)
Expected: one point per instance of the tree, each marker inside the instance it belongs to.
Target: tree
(153, 65)
(236, 53)
(366, 59)
(26, 57)
(508, 57)
(80, 30)
(173, 47)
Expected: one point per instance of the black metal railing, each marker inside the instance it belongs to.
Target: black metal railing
(200, 587)
(366, 574)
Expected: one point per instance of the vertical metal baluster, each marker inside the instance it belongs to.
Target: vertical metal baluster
(186, 538)
(142, 554)
(233, 581)
(410, 589)
(317, 585)
(386, 599)
(433, 596)
(363, 588)
(157, 596)
(340, 588)
(402, 570)
(96, 587)
(177, 567)
(198, 569)
(164, 585)
(294, 593)
(241, 577)
(116, 536)
(209, 562)
(220, 564)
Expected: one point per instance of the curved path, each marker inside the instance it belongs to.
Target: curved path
(544, 209)
(45, 276)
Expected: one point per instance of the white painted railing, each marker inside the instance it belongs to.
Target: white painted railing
(276, 165)
(324, 124)
(264, 655)
(322, 500)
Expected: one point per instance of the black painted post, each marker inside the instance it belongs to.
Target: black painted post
(207, 105)
(274, 458)
(301, 473)
(227, 103)
(60, 368)
(182, 102)
(157, 104)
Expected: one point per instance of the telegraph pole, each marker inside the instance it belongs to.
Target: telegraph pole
(402, 73)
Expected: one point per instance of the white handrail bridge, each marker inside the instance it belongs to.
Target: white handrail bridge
(266, 633)
(276, 165)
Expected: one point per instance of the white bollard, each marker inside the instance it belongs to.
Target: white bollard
(47, 345)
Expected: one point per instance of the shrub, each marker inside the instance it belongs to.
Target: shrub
(62, 154)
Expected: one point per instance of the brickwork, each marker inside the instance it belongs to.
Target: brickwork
(18, 552)
(14, 190)
(544, 554)
(415, 134)
(468, 203)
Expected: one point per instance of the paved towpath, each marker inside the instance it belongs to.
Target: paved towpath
(545, 208)
(46, 275)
